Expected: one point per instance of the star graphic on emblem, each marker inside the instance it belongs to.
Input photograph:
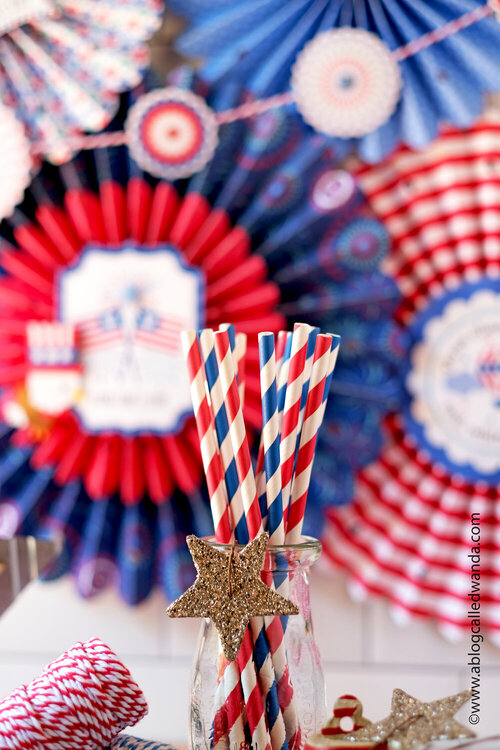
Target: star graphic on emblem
(412, 724)
(229, 591)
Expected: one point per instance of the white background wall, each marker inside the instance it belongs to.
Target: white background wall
(363, 651)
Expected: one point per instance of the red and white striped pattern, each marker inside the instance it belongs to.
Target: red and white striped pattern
(281, 376)
(91, 334)
(291, 411)
(208, 439)
(50, 343)
(225, 450)
(237, 433)
(83, 699)
(406, 537)
(254, 705)
(164, 337)
(313, 417)
(441, 209)
(240, 355)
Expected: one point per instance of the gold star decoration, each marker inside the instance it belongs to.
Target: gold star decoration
(411, 725)
(229, 591)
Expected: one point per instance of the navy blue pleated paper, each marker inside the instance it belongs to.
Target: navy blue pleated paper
(327, 263)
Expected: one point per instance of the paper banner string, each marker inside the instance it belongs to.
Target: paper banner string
(252, 108)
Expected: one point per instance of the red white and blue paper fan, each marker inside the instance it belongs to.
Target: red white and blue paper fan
(270, 229)
(64, 62)
(446, 52)
(432, 498)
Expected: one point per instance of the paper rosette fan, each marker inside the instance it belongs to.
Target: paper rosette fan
(432, 498)
(346, 82)
(104, 265)
(64, 62)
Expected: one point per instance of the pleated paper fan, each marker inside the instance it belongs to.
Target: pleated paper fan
(431, 499)
(64, 62)
(116, 465)
(258, 44)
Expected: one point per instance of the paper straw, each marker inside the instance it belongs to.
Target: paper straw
(237, 433)
(240, 352)
(254, 706)
(238, 342)
(271, 439)
(291, 410)
(311, 345)
(325, 358)
(260, 648)
(274, 633)
(208, 438)
(268, 684)
(206, 340)
(283, 351)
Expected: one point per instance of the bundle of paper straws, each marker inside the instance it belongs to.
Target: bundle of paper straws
(295, 374)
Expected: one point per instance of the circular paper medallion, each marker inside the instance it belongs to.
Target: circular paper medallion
(455, 381)
(346, 82)
(362, 244)
(172, 133)
(333, 189)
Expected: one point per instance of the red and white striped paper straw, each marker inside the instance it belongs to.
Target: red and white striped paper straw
(206, 339)
(240, 354)
(237, 433)
(291, 411)
(325, 357)
(208, 439)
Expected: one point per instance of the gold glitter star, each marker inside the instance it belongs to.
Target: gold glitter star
(411, 725)
(229, 591)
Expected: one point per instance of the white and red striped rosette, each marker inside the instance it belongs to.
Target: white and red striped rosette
(81, 700)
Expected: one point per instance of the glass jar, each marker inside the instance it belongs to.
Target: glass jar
(287, 568)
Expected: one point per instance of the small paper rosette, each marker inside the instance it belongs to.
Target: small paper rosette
(256, 47)
(346, 83)
(63, 63)
(269, 231)
(171, 133)
(407, 535)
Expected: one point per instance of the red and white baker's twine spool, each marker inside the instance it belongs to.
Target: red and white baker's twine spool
(83, 699)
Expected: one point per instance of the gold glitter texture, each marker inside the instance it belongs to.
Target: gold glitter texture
(411, 725)
(229, 591)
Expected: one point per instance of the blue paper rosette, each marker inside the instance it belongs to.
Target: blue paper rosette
(407, 535)
(366, 71)
(104, 264)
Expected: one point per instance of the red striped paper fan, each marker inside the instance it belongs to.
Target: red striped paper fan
(410, 533)
(107, 260)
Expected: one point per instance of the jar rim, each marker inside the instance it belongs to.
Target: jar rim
(307, 543)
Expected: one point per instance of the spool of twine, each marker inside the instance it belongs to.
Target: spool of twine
(81, 700)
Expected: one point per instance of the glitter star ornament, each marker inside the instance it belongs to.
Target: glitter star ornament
(229, 591)
(411, 725)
